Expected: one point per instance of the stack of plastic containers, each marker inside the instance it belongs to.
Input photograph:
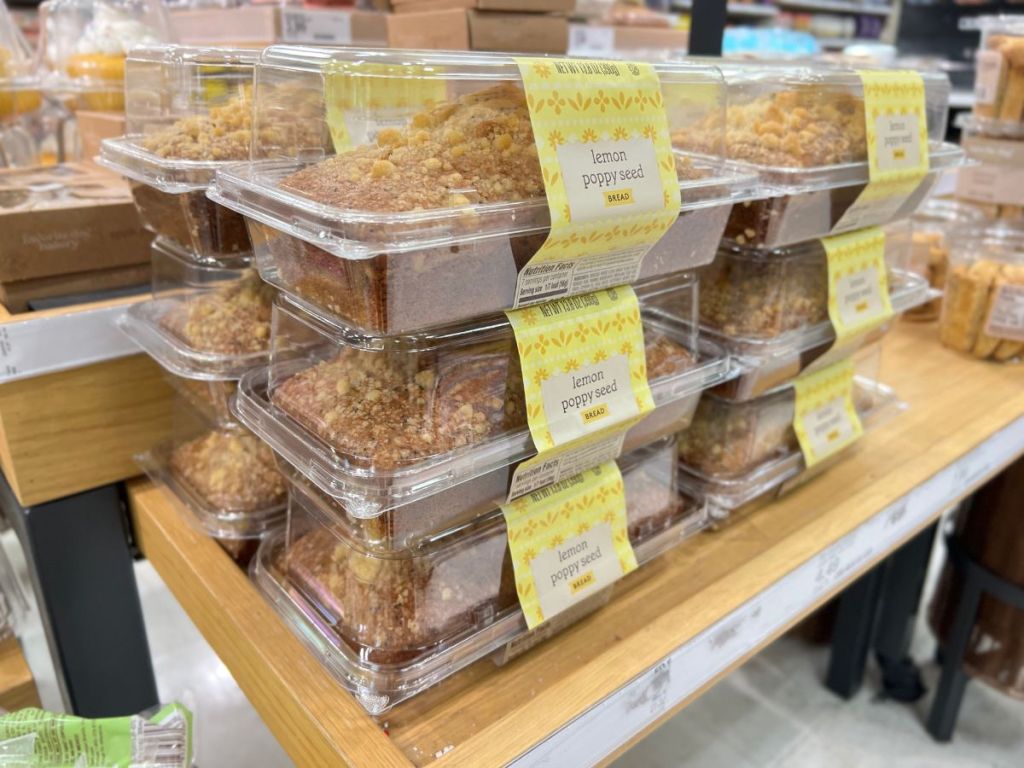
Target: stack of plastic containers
(394, 199)
(208, 322)
(771, 294)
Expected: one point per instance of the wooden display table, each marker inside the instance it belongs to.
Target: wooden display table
(17, 686)
(77, 400)
(673, 629)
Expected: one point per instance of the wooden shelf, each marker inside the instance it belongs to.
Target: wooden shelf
(17, 687)
(77, 400)
(674, 627)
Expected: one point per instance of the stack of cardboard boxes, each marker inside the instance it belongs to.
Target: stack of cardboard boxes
(68, 229)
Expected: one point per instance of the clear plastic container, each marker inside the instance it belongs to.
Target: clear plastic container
(390, 254)
(211, 397)
(768, 309)
(729, 438)
(389, 624)
(800, 128)
(223, 477)
(999, 74)
(189, 112)
(983, 308)
(204, 322)
(20, 83)
(439, 419)
(755, 293)
(782, 466)
(930, 229)
(85, 42)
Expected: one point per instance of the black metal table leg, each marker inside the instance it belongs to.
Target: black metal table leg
(853, 633)
(80, 562)
(953, 681)
(900, 598)
(975, 582)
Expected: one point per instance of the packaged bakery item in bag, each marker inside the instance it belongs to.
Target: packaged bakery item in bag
(983, 309)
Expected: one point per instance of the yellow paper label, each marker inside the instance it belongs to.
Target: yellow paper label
(583, 364)
(568, 541)
(824, 419)
(364, 98)
(609, 173)
(858, 285)
(896, 126)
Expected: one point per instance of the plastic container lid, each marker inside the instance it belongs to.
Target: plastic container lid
(367, 94)
(379, 685)
(830, 101)
(369, 490)
(724, 495)
(188, 112)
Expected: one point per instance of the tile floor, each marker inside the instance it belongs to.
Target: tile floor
(771, 712)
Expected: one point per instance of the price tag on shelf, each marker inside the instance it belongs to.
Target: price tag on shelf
(316, 27)
(591, 40)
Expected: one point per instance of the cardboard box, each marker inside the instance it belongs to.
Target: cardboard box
(17, 295)
(432, 30)
(515, 6)
(266, 25)
(94, 127)
(518, 32)
(640, 38)
(65, 219)
(418, 6)
(527, 6)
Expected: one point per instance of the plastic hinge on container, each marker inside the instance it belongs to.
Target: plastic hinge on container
(767, 364)
(394, 676)
(725, 495)
(479, 471)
